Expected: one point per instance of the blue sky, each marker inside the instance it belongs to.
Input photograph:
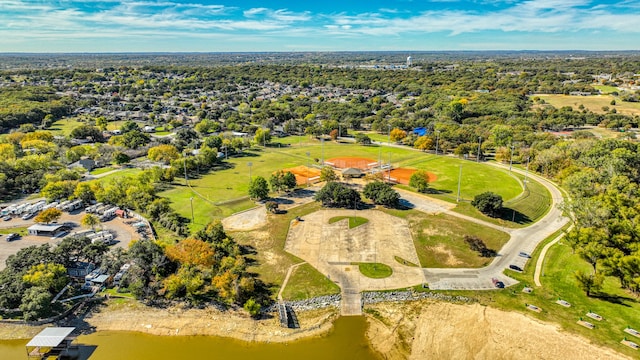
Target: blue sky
(316, 25)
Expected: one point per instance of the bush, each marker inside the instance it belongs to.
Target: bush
(420, 181)
(488, 203)
(381, 193)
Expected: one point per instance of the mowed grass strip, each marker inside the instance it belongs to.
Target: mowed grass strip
(354, 221)
(439, 240)
(306, 282)
(64, 126)
(375, 270)
(404, 262)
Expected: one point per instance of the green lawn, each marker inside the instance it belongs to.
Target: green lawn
(102, 170)
(375, 270)
(354, 221)
(64, 126)
(306, 282)
(123, 172)
(439, 240)
(593, 103)
(606, 89)
(404, 262)
(22, 231)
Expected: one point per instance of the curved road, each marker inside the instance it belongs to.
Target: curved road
(523, 239)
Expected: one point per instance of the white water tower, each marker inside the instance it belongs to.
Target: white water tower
(409, 61)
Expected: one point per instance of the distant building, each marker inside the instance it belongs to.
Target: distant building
(409, 61)
(45, 229)
(87, 164)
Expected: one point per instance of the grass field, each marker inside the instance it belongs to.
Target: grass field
(354, 221)
(619, 308)
(593, 103)
(306, 282)
(64, 126)
(225, 191)
(22, 231)
(606, 89)
(102, 170)
(439, 239)
(375, 270)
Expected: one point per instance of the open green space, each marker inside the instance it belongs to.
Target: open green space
(375, 270)
(618, 307)
(439, 240)
(224, 191)
(306, 282)
(102, 170)
(595, 103)
(22, 231)
(65, 126)
(354, 221)
(606, 89)
(123, 172)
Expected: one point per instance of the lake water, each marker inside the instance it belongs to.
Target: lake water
(346, 341)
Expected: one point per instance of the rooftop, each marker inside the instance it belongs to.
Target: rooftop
(50, 337)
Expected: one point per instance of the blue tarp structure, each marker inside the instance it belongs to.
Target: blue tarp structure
(420, 131)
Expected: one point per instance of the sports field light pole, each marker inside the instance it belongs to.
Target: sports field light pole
(526, 172)
(249, 164)
(437, 138)
(308, 167)
(322, 141)
(511, 159)
(389, 166)
(459, 180)
(192, 218)
(389, 133)
(479, 142)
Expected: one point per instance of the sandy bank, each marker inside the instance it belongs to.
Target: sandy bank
(437, 330)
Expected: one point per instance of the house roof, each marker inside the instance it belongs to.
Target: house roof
(100, 279)
(44, 227)
(50, 337)
(352, 171)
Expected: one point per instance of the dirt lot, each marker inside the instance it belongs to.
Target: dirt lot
(303, 174)
(124, 234)
(436, 330)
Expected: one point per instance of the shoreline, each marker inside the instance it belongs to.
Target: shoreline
(133, 316)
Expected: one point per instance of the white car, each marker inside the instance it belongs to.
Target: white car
(7, 218)
(28, 216)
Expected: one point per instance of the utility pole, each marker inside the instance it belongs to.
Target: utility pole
(526, 172)
(308, 167)
(459, 181)
(437, 138)
(389, 133)
(479, 142)
(184, 161)
(389, 166)
(322, 141)
(511, 159)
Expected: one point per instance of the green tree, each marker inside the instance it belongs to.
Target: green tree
(90, 220)
(48, 215)
(271, 206)
(259, 189)
(120, 158)
(84, 192)
(337, 194)
(59, 189)
(589, 283)
(262, 136)
(328, 174)
(381, 193)
(362, 139)
(50, 276)
(163, 153)
(488, 203)
(397, 134)
(419, 180)
(252, 307)
(423, 143)
(36, 303)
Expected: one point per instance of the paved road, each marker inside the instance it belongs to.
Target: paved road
(524, 239)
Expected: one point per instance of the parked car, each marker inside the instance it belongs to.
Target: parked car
(524, 254)
(497, 283)
(12, 237)
(7, 218)
(60, 235)
(28, 216)
(515, 267)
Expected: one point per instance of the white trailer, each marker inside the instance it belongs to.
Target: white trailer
(63, 205)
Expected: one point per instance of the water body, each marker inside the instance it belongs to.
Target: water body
(346, 341)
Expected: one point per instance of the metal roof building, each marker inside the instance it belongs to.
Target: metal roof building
(44, 229)
(52, 340)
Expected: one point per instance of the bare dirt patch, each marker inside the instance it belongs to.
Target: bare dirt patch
(351, 162)
(434, 330)
(303, 174)
(246, 220)
(403, 175)
(445, 254)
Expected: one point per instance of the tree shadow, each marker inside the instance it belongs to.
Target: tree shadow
(509, 214)
(614, 299)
